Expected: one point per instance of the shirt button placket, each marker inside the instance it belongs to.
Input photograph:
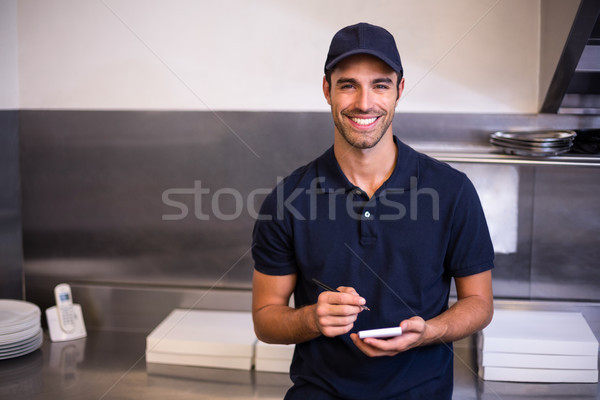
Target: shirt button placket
(367, 229)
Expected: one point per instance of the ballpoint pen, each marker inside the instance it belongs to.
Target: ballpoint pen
(330, 289)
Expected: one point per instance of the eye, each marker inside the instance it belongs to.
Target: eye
(382, 87)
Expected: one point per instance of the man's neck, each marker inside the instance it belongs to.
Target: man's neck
(367, 168)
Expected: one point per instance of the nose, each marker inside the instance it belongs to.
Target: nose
(363, 100)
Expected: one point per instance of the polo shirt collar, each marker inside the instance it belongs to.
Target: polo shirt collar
(403, 178)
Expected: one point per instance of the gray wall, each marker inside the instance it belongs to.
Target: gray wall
(94, 212)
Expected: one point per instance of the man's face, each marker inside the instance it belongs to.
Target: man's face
(363, 95)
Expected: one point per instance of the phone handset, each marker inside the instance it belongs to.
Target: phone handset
(64, 307)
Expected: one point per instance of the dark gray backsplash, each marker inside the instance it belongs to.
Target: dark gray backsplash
(565, 263)
(103, 192)
(93, 187)
(11, 254)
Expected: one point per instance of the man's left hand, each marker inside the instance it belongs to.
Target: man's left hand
(413, 335)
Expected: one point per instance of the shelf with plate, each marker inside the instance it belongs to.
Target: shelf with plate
(488, 154)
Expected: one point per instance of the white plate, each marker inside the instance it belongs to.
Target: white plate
(20, 327)
(23, 343)
(14, 338)
(15, 312)
(24, 350)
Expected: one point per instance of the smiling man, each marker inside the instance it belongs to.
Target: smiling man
(385, 224)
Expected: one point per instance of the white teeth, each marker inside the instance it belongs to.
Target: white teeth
(363, 121)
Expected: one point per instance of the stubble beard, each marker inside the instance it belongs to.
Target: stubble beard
(363, 140)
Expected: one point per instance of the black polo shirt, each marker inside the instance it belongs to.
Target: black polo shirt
(398, 249)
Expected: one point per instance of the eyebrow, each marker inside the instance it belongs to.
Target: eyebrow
(383, 80)
(343, 81)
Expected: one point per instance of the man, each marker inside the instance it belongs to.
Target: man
(390, 226)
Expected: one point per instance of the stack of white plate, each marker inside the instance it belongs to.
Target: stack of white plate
(20, 328)
(533, 143)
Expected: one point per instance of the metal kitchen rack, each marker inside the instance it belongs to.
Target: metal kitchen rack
(485, 154)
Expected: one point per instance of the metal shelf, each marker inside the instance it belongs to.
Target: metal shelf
(481, 154)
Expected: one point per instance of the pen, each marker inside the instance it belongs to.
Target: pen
(330, 289)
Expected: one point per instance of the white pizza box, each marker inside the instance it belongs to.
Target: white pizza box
(539, 332)
(549, 361)
(274, 351)
(196, 360)
(539, 375)
(273, 357)
(206, 333)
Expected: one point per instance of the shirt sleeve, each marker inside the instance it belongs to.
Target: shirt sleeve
(272, 243)
(470, 248)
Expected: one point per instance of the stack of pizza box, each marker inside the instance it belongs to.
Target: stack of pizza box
(217, 339)
(273, 357)
(538, 346)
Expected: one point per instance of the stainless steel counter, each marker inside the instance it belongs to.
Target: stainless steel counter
(111, 365)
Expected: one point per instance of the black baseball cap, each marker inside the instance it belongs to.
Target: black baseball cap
(363, 38)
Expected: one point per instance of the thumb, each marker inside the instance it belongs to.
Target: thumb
(415, 323)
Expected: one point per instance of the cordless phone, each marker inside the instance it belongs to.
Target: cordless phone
(64, 307)
(65, 319)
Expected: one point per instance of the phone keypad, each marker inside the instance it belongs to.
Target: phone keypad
(68, 317)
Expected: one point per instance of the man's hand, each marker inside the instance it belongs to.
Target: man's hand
(276, 322)
(335, 312)
(413, 334)
(472, 312)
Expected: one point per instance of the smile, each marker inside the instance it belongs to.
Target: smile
(363, 121)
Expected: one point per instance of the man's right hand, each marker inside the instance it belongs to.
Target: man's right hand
(276, 322)
(335, 312)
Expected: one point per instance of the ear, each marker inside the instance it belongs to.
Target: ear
(326, 90)
(400, 90)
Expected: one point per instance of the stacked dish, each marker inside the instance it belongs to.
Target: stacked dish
(533, 143)
(20, 328)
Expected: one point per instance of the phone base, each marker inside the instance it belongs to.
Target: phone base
(56, 332)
